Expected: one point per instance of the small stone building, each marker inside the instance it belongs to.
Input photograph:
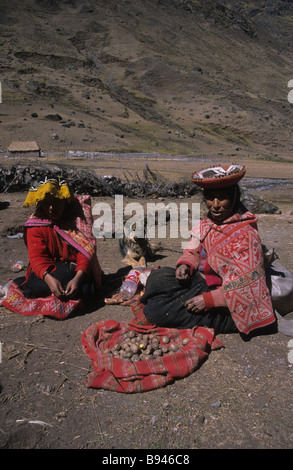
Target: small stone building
(24, 149)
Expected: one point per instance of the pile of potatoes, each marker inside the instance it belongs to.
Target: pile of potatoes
(138, 347)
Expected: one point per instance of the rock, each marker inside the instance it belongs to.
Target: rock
(53, 117)
(70, 123)
(202, 419)
(154, 419)
(258, 205)
(216, 404)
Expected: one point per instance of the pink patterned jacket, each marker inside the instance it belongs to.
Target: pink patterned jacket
(234, 254)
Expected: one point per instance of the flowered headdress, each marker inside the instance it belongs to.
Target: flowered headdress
(220, 176)
(56, 188)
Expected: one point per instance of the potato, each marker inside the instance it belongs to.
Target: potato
(135, 358)
(158, 352)
(149, 349)
(134, 348)
(131, 334)
(165, 340)
(138, 347)
(146, 357)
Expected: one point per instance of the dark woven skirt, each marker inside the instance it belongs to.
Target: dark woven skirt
(164, 299)
(34, 287)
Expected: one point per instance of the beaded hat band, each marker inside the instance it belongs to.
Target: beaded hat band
(220, 176)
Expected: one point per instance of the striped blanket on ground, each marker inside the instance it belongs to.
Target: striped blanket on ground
(122, 376)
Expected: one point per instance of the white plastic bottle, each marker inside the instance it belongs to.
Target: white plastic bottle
(130, 284)
(16, 267)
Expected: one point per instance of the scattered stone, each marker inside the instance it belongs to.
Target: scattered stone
(216, 404)
(53, 117)
(154, 419)
(202, 419)
(258, 204)
(46, 389)
(70, 123)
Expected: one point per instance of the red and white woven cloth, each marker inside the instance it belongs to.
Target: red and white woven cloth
(234, 252)
(120, 375)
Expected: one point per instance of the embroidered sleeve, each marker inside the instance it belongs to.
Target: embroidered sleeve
(214, 298)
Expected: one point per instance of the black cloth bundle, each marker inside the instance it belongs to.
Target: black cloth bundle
(164, 299)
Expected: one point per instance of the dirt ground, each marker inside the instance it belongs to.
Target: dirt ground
(241, 397)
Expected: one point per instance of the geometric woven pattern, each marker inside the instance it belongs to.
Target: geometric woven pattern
(234, 252)
(16, 302)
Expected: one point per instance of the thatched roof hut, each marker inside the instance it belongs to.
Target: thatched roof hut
(21, 149)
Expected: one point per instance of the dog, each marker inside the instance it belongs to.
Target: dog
(136, 251)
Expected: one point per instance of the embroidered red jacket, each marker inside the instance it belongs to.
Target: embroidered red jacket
(45, 247)
(234, 253)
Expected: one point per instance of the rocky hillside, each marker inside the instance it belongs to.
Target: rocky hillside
(170, 76)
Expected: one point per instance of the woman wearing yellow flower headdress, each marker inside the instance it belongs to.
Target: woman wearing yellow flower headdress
(61, 246)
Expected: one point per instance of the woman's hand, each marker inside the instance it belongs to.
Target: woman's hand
(183, 272)
(54, 285)
(195, 304)
(73, 286)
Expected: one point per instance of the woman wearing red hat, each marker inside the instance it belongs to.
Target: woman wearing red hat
(219, 281)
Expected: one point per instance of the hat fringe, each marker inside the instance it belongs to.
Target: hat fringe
(59, 191)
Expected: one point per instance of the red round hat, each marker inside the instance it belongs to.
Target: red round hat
(219, 176)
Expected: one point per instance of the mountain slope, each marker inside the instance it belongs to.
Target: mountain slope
(164, 76)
